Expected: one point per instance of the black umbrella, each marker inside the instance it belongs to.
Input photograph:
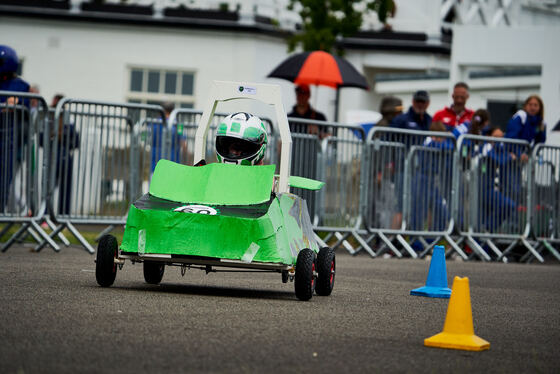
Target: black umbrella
(322, 69)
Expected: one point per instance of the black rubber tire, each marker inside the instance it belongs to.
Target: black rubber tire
(326, 270)
(153, 271)
(305, 274)
(105, 267)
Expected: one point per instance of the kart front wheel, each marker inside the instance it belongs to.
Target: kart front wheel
(153, 272)
(326, 267)
(105, 266)
(305, 274)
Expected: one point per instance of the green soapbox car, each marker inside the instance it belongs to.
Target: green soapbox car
(221, 216)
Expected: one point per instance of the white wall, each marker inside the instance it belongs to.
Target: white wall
(520, 46)
(90, 61)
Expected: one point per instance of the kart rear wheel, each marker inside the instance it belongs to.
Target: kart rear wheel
(153, 271)
(305, 274)
(326, 268)
(105, 266)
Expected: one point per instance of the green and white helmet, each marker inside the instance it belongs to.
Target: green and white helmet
(241, 139)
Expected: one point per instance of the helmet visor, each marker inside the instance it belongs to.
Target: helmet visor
(234, 148)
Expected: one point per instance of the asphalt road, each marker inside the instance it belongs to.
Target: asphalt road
(55, 319)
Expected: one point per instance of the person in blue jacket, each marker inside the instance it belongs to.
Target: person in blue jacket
(431, 182)
(527, 124)
(475, 126)
(416, 118)
(178, 139)
(495, 205)
(9, 81)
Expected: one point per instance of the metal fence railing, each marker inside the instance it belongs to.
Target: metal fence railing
(393, 191)
(99, 161)
(408, 194)
(544, 199)
(332, 153)
(23, 123)
(492, 185)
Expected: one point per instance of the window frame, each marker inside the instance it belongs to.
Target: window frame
(144, 96)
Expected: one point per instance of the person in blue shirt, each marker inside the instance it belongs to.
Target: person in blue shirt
(9, 133)
(416, 118)
(178, 139)
(431, 182)
(527, 124)
(495, 206)
(475, 126)
(470, 149)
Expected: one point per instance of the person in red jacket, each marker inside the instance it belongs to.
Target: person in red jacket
(457, 112)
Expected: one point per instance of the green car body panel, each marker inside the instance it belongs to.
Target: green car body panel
(238, 218)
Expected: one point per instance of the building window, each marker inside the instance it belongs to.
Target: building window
(156, 86)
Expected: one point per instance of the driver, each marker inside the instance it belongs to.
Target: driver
(241, 139)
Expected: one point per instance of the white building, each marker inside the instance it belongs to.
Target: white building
(153, 51)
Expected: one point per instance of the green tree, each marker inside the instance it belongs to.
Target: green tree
(325, 21)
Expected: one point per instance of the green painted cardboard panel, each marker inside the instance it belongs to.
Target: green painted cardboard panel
(169, 232)
(219, 184)
(305, 183)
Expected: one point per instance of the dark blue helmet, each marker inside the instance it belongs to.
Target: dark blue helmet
(8, 60)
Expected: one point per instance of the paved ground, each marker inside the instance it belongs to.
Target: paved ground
(54, 318)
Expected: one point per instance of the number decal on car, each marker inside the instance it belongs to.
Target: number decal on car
(199, 209)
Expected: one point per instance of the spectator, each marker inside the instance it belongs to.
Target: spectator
(306, 148)
(528, 124)
(303, 109)
(416, 118)
(390, 107)
(9, 133)
(385, 193)
(431, 184)
(178, 139)
(475, 126)
(495, 206)
(34, 103)
(457, 112)
(9, 80)
(68, 139)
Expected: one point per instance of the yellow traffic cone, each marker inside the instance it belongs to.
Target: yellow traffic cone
(458, 331)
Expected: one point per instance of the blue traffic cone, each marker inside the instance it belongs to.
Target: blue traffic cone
(436, 285)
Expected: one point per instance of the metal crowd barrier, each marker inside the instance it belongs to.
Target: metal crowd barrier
(23, 159)
(397, 191)
(407, 179)
(332, 153)
(492, 184)
(99, 162)
(544, 201)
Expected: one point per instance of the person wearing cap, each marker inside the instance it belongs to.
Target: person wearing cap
(416, 118)
(303, 109)
(11, 126)
(306, 149)
(457, 112)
